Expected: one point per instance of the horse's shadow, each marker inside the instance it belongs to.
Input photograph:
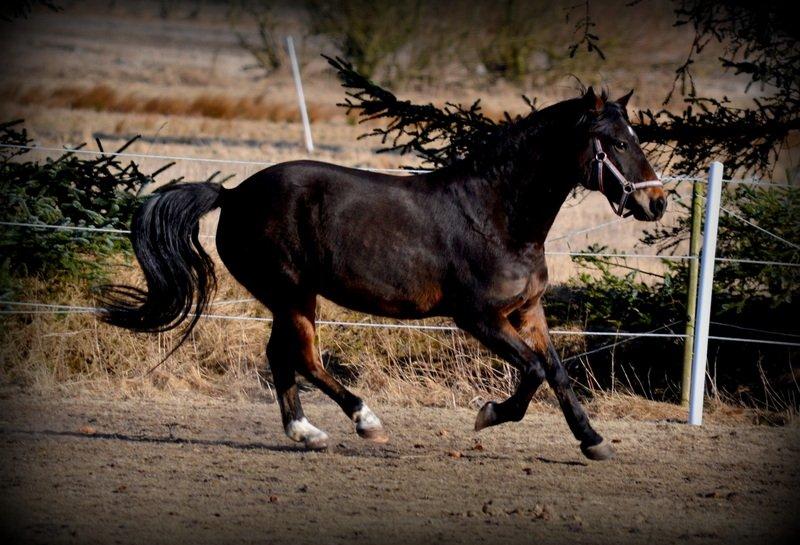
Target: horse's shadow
(375, 452)
(158, 439)
(365, 451)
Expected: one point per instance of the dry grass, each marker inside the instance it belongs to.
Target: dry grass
(225, 358)
(103, 98)
(76, 354)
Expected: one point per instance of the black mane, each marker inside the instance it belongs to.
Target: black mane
(511, 146)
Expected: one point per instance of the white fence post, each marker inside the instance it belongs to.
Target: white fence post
(707, 255)
(301, 98)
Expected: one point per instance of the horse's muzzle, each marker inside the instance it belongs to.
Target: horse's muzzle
(658, 206)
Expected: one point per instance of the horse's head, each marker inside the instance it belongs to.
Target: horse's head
(614, 160)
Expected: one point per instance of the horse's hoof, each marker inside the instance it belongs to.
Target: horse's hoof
(304, 432)
(600, 451)
(376, 435)
(369, 426)
(486, 416)
(317, 443)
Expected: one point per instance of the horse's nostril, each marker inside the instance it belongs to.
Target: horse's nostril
(657, 206)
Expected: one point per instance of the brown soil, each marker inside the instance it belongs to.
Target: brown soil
(77, 471)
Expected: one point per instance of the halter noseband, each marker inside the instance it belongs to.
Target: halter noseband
(601, 159)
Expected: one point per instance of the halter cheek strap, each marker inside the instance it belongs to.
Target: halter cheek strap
(600, 161)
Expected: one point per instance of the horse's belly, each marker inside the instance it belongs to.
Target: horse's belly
(382, 299)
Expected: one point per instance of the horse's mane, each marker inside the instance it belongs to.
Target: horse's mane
(498, 153)
(512, 144)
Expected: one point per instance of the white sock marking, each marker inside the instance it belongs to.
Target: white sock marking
(302, 430)
(365, 419)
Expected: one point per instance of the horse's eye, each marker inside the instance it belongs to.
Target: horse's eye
(620, 145)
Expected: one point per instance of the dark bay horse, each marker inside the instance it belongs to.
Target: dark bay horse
(466, 241)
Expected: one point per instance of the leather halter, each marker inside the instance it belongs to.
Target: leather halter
(599, 161)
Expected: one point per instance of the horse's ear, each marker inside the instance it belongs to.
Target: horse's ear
(592, 101)
(623, 100)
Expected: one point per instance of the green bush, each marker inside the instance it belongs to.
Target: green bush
(774, 209)
(71, 190)
(750, 300)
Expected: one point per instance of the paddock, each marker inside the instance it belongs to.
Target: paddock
(96, 449)
(213, 472)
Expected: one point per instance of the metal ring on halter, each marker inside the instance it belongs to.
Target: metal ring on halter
(601, 160)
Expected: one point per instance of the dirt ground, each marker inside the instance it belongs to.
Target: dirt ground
(76, 471)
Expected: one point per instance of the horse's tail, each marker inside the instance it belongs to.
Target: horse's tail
(179, 273)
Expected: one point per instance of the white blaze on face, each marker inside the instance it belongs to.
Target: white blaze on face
(303, 430)
(365, 419)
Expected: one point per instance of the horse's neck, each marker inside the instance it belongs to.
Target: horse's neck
(537, 189)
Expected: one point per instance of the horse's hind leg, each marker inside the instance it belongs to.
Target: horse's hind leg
(281, 353)
(310, 366)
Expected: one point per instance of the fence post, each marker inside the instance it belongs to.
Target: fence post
(691, 297)
(706, 281)
(301, 98)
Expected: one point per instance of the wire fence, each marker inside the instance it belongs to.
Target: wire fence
(30, 307)
(248, 162)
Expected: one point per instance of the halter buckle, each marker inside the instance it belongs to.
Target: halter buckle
(602, 161)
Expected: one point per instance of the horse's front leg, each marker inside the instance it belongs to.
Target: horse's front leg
(592, 445)
(530, 323)
(500, 336)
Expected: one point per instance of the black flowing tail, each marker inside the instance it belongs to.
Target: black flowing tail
(179, 273)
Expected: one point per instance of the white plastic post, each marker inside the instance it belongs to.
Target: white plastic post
(301, 99)
(707, 255)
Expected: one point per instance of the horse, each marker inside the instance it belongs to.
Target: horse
(466, 241)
